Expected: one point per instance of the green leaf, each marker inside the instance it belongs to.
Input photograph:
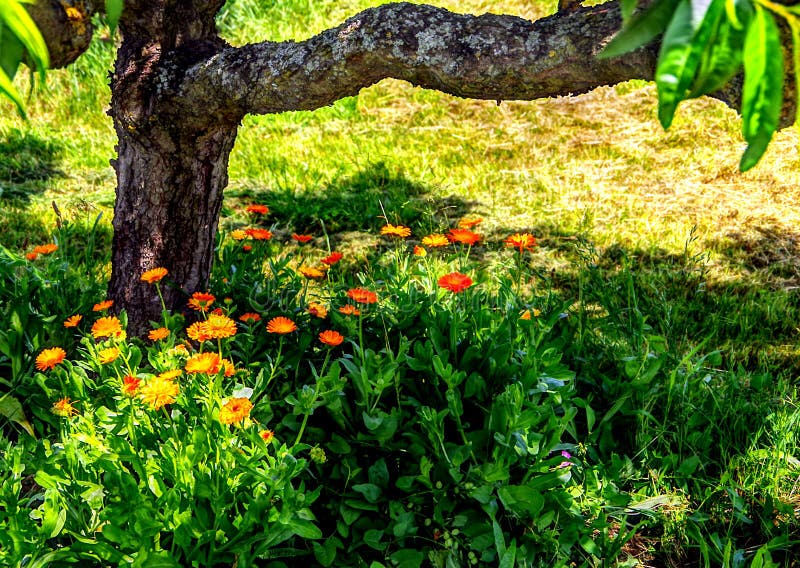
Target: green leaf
(522, 500)
(684, 42)
(627, 8)
(722, 57)
(113, 13)
(762, 94)
(11, 409)
(19, 23)
(304, 529)
(408, 558)
(641, 29)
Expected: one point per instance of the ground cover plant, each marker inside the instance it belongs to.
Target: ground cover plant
(660, 353)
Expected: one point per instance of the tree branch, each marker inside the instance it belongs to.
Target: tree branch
(482, 57)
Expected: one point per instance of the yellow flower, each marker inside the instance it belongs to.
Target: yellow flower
(318, 310)
(399, 231)
(435, 240)
(158, 334)
(208, 363)
(108, 355)
(49, 358)
(159, 391)
(238, 235)
(235, 410)
(130, 385)
(420, 251)
(104, 305)
(73, 321)
(63, 407)
(267, 435)
(197, 332)
(281, 325)
(219, 326)
(107, 327)
(311, 272)
(154, 275)
(170, 375)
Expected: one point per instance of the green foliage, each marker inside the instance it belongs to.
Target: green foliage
(705, 43)
(505, 424)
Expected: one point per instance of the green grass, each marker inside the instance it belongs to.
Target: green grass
(684, 273)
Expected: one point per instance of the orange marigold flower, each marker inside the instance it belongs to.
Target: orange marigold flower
(311, 272)
(228, 368)
(154, 275)
(362, 295)
(158, 334)
(104, 305)
(302, 238)
(526, 315)
(159, 391)
(267, 435)
(49, 358)
(455, 282)
(197, 332)
(32, 256)
(130, 385)
(218, 326)
(350, 310)
(63, 407)
(281, 325)
(247, 248)
(435, 240)
(208, 363)
(107, 327)
(330, 337)
(45, 249)
(463, 236)
(73, 321)
(108, 355)
(420, 251)
(332, 258)
(259, 234)
(258, 209)
(399, 231)
(521, 241)
(238, 235)
(235, 410)
(317, 310)
(201, 301)
(469, 223)
(250, 317)
(170, 375)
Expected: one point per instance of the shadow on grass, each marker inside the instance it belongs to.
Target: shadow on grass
(27, 162)
(364, 201)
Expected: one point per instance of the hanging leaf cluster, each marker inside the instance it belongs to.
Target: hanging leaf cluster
(705, 44)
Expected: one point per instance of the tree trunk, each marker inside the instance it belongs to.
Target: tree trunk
(171, 168)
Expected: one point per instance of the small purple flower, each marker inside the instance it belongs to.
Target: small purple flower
(567, 455)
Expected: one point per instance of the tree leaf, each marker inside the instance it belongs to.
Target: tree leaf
(722, 57)
(20, 24)
(762, 94)
(113, 13)
(641, 28)
(684, 42)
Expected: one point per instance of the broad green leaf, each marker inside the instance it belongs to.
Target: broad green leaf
(11, 50)
(113, 13)
(762, 94)
(17, 20)
(7, 89)
(683, 44)
(11, 408)
(641, 29)
(722, 57)
(627, 7)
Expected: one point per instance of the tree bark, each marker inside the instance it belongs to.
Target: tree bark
(179, 92)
